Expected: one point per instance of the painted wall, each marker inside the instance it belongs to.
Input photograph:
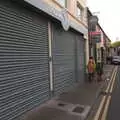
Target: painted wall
(71, 9)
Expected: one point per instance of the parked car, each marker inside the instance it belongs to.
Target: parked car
(109, 59)
(116, 60)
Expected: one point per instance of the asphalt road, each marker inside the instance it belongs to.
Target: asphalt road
(114, 108)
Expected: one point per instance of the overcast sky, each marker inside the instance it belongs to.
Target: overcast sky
(109, 16)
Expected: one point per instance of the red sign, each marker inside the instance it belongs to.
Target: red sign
(95, 36)
(95, 33)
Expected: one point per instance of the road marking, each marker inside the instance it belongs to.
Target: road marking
(113, 82)
(97, 116)
(100, 108)
(105, 112)
(110, 80)
(104, 115)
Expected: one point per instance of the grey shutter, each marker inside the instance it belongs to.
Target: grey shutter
(63, 59)
(24, 75)
(80, 46)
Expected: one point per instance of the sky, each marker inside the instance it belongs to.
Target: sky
(109, 16)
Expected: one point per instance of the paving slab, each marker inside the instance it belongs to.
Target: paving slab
(63, 106)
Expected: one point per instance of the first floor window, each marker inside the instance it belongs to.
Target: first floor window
(79, 11)
(62, 2)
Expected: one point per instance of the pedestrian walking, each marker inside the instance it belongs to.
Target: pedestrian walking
(91, 69)
(99, 71)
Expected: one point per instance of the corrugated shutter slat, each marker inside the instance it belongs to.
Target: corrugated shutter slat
(63, 50)
(24, 68)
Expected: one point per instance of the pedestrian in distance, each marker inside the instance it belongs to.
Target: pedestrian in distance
(99, 71)
(91, 69)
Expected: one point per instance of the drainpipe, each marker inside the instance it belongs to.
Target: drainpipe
(50, 58)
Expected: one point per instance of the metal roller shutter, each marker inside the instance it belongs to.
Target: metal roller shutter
(80, 46)
(24, 75)
(63, 59)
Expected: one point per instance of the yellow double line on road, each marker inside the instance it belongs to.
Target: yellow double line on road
(104, 104)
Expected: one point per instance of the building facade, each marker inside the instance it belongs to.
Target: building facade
(99, 42)
(42, 51)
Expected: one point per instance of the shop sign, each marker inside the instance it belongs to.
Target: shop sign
(96, 38)
(95, 33)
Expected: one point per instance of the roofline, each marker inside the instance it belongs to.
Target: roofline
(103, 32)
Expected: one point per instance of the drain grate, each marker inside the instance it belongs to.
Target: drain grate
(78, 110)
(81, 111)
(62, 104)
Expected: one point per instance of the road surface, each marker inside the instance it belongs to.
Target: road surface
(114, 107)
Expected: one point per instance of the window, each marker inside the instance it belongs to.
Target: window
(79, 11)
(62, 2)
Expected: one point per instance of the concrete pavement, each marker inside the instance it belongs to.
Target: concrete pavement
(75, 104)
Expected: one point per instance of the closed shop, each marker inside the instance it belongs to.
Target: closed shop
(68, 58)
(63, 50)
(80, 57)
(27, 72)
(24, 68)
